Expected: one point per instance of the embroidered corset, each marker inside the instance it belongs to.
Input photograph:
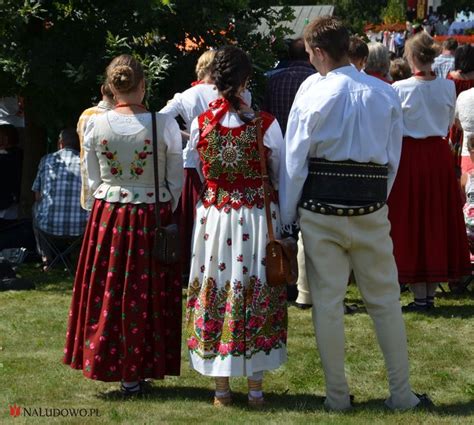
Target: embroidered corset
(231, 164)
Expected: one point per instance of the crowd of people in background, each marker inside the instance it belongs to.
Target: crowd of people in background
(398, 107)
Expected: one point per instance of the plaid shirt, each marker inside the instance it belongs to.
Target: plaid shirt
(282, 87)
(442, 65)
(58, 181)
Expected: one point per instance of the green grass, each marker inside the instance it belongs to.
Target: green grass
(32, 331)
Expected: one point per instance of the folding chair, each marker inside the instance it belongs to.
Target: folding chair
(61, 249)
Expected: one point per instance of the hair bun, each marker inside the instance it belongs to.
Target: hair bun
(123, 78)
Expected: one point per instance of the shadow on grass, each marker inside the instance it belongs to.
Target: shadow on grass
(276, 401)
(455, 409)
(55, 280)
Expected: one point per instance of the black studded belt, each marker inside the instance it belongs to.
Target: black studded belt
(326, 209)
(360, 188)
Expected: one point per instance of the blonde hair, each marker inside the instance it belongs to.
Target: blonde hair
(421, 47)
(124, 74)
(203, 66)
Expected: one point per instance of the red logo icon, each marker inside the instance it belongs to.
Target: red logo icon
(15, 411)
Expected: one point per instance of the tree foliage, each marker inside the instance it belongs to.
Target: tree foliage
(354, 13)
(395, 12)
(54, 52)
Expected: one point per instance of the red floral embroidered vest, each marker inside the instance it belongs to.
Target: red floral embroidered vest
(231, 164)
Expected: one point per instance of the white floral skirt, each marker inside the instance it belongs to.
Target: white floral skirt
(236, 324)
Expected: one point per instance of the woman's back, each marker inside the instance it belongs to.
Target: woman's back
(120, 157)
(231, 161)
(428, 106)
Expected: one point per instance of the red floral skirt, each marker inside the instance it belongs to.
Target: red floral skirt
(425, 211)
(125, 316)
(189, 198)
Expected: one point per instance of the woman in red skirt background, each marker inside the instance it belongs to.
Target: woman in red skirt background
(125, 316)
(425, 207)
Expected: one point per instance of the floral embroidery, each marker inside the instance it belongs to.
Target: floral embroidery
(235, 320)
(111, 157)
(231, 165)
(139, 162)
(230, 153)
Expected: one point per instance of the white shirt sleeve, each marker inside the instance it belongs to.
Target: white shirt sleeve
(173, 107)
(191, 148)
(91, 161)
(273, 139)
(174, 160)
(394, 146)
(452, 109)
(294, 160)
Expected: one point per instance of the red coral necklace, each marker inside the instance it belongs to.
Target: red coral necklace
(139, 105)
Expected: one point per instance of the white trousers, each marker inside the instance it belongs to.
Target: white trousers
(334, 245)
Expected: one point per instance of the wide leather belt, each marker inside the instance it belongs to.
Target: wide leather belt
(326, 209)
(359, 188)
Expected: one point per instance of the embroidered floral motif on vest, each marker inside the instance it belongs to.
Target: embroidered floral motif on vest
(231, 165)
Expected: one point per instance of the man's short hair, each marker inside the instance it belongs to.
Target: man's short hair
(329, 34)
(450, 44)
(70, 138)
(358, 48)
(296, 50)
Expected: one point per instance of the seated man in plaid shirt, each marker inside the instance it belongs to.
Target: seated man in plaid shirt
(57, 187)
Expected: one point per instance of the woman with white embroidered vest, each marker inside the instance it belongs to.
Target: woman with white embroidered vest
(236, 324)
(425, 207)
(125, 317)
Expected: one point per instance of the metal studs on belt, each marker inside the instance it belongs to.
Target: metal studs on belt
(313, 207)
(339, 211)
(322, 210)
(350, 212)
(361, 211)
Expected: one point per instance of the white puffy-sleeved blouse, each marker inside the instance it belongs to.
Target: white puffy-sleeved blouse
(118, 153)
(428, 106)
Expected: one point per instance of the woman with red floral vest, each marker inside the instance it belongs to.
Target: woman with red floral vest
(236, 324)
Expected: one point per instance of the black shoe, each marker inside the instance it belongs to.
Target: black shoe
(134, 391)
(350, 308)
(425, 402)
(351, 398)
(415, 308)
(303, 306)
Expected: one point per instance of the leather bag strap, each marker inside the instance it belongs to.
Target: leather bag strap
(155, 170)
(265, 179)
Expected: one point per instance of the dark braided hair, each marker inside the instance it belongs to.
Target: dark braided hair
(230, 70)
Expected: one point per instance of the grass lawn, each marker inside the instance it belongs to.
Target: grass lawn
(32, 332)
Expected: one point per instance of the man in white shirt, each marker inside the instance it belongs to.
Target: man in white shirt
(343, 145)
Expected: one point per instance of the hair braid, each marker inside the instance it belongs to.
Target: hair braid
(230, 71)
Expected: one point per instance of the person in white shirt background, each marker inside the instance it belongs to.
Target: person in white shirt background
(344, 127)
(425, 208)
